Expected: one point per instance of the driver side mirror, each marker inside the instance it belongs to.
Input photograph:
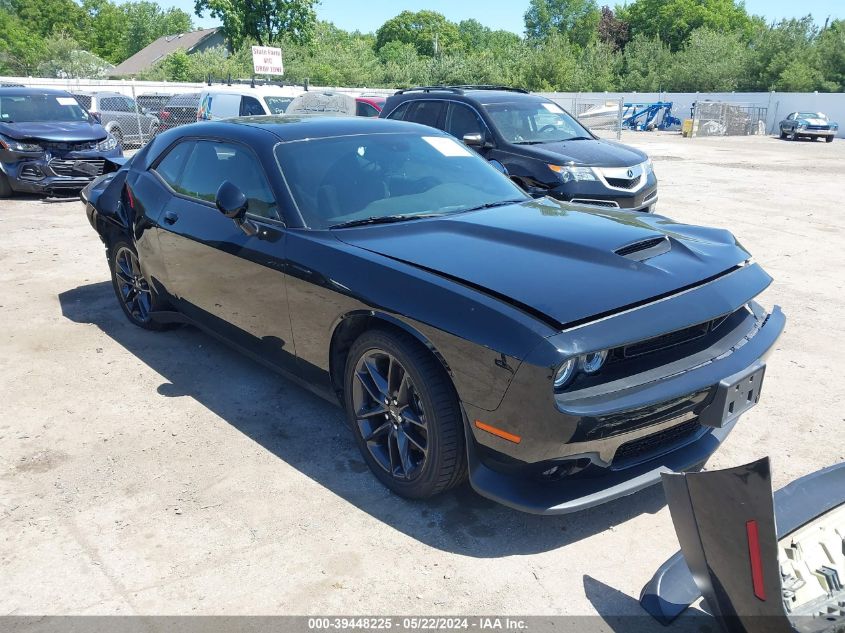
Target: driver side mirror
(231, 201)
(476, 140)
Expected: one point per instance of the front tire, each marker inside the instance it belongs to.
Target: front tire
(405, 414)
(828, 139)
(782, 135)
(5, 187)
(134, 294)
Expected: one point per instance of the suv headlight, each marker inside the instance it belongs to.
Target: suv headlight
(107, 144)
(569, 173)
(648, 166)
(18, 146)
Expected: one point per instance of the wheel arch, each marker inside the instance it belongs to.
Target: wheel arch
(352, 324)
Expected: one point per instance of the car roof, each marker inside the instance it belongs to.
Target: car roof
(467, 94)
(300, 127)
(7, 91)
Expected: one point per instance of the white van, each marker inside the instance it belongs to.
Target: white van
(224, 101)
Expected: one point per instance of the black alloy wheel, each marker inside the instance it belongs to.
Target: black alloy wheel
(132, 289)
(404, 414)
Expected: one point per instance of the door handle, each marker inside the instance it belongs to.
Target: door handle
(170, 217)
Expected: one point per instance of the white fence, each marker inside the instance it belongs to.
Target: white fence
(777, 104)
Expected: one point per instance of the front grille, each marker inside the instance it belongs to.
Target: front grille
(662, 440)
(596, 203)
(678, 337)
(69, 147)
(65, 167)
(818, 127)
(624, 183)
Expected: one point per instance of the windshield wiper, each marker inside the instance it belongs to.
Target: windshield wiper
(500, 203)
(384, 219)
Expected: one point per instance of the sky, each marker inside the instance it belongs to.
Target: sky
(368, 15)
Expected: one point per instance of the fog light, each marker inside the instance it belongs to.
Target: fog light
(592, 362)
(564, 373)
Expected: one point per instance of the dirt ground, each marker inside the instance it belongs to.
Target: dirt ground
(145, 473)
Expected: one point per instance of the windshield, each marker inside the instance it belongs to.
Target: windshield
(342, 179)
(277, 105)
(37, 108)
(812, 115)
(535, 122)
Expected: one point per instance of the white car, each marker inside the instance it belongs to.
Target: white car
(224, 101)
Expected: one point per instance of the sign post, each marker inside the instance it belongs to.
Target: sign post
(267, 60)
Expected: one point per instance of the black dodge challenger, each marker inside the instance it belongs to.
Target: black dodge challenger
(559, 356)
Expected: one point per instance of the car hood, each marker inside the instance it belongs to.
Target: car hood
(557, 261)
(596, 153)
(55, 132)
(813, 121)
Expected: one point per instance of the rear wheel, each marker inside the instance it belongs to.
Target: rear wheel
(5, 187)
(134, 294)
(404, 414)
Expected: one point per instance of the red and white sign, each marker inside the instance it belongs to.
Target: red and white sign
(267, 60)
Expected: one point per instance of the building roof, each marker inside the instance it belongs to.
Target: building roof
(158, 50)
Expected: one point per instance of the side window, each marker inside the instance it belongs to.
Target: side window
(425, 112)
(399, 113)
(365, 109)
(791, 117)
(250, 106)
(170, 167)
(210, 163)
(129, 105)
(462, 120)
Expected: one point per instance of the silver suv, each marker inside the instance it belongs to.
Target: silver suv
(123, 118)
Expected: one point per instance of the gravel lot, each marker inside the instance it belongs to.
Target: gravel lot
(145, 473)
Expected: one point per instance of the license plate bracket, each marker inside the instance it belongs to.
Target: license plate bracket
(735, 395)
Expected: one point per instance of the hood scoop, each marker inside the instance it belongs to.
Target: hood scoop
(645, 249)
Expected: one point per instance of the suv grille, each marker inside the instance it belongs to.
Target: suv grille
(623, 183)
(664, 439)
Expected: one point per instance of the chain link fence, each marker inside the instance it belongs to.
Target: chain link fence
(719, 118)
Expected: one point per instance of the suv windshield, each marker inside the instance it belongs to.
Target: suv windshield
(38, 108)
(535, 122)
(382, 176)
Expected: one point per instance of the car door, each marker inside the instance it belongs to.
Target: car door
(229, 282)
(141, 121)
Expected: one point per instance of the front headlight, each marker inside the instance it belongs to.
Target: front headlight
(107, 144)
(569, 173)
(802, 126)
(834, 126)
(18, 146)
(648, 166)
(587, 363)
(564, 373)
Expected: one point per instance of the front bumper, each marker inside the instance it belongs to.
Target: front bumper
(673, 437)
(48, 174)
(598, 193)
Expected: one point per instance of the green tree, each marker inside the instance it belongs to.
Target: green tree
(674, 20)
(648, 63)
(265, 22)
(63, 58)
(600, 67)
(576, 19)
(20, 49)
(424, 30)
(781, 52)
(552, 65)
(830, 48)
(145, 22)
(106, 24)
(44, 17)
(710, 62)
